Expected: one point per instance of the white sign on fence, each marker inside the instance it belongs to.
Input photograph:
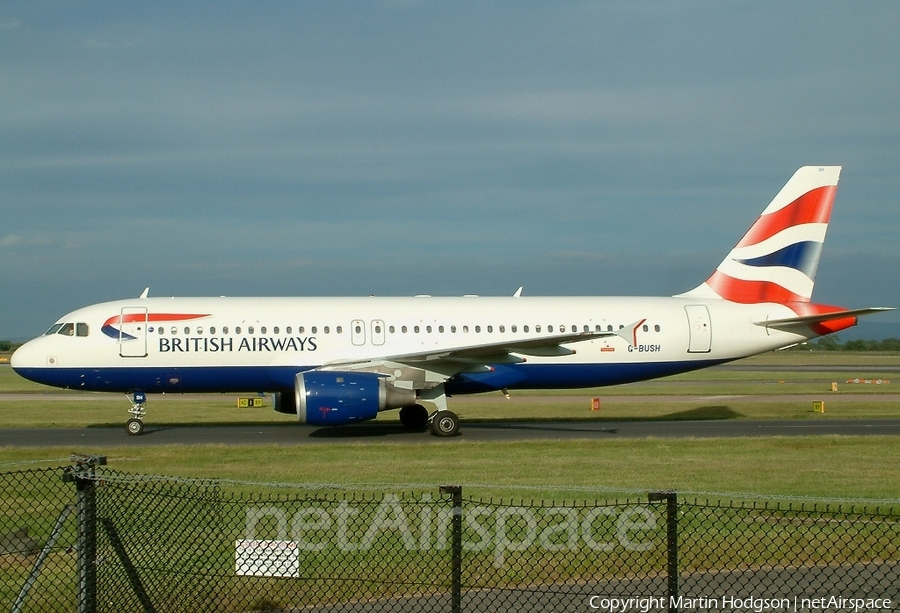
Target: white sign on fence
(254, 558)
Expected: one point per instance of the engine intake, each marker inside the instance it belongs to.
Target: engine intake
(331, 398)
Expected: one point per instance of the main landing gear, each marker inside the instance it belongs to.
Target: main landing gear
(135, 425)
(414, 417)
(444, 423)
(441, 423)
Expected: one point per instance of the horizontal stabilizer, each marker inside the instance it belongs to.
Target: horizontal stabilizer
(806, 320)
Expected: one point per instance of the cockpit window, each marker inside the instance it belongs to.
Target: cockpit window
(69, 329)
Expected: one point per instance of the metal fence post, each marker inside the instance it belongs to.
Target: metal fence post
(83, 476)
(455, 492)
(671, 499)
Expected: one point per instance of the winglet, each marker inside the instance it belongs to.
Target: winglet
(145, 293)
(518, 293)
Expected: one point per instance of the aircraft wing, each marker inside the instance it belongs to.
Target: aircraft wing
(546, 346)
(434, 367)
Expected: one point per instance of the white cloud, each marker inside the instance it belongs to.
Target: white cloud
(15, 240)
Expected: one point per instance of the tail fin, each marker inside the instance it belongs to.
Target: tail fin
(776, 261)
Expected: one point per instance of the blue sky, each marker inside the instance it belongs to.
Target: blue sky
(406, 147)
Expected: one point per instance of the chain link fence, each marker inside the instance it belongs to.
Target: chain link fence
(86, 538)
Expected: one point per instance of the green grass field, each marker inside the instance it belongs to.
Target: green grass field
(820, 467)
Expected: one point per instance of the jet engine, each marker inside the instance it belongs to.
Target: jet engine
(329, 398)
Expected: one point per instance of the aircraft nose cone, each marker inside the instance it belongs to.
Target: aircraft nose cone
(23, 357)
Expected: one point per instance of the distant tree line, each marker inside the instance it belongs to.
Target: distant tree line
(7, 345)
(833, 343)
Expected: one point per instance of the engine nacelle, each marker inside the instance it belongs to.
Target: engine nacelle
(326, 398)
(285, 402)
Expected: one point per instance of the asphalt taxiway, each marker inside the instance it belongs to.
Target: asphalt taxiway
(293, 434)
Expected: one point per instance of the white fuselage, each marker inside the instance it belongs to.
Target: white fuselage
(260, 344)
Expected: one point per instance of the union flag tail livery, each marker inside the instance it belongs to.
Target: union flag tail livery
(336, 361)
(777, 259)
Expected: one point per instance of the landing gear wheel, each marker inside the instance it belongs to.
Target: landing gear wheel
(445, 423)
(134, 427)
(414, 417)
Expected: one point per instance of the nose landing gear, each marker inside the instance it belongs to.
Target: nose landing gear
(135, 425)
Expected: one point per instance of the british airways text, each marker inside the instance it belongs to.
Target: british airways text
(202, 344)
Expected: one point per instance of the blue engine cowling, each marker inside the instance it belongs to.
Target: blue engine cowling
(326, 398)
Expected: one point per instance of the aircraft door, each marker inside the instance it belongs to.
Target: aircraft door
(133, 332)
(358, 332)
(699, 328)
(377, 332)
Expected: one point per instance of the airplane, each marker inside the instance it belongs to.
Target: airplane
(337, 361)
